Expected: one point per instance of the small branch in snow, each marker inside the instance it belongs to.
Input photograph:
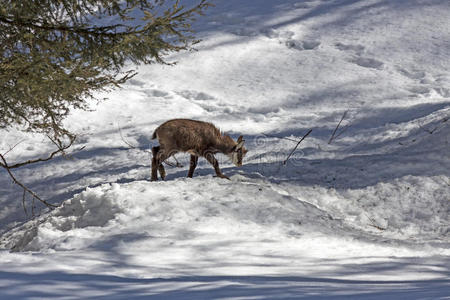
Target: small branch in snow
(446, 181)
(439, 126)
(374, 224)
(126, 142)
(284, 138)
(295, 148)
(23, 202)
(333, 135)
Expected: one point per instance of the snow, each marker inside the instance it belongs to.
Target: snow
(364, 216)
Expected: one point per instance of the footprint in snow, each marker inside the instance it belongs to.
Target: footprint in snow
(357, 49)
(426, 84)
(359, 58)
(205, 101)
(272, 33)
(412, 74)
(156, 93)
(244, 32)
(303, 45)
(431, 91)
(194, 95)
(135, 82)
(367, 62)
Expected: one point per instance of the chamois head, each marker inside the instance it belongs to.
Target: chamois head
(238, 152)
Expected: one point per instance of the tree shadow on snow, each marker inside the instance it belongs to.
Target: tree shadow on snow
(59, 284)
(357, 162)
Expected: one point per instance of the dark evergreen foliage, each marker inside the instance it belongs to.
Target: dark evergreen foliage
(55, 53)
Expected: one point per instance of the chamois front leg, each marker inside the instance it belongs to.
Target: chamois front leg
(213, 161)
(193, 164)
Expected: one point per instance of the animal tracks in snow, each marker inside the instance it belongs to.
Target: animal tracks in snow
(358, 49)
(205, 101)
(303, 45)
(425, 84)
(359, 56)
(367, 62)
(286, 37)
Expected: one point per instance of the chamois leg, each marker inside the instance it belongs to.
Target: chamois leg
(160, 158)
(155, 151)
(213, 161)
(162, 171)
(194, 160)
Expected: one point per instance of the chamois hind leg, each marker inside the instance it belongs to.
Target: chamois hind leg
(155, 151)
(157, 160)
(160, 158)
(193, 164)
(162, 171)
(213, 161)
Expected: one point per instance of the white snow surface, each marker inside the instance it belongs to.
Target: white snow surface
(366, 215)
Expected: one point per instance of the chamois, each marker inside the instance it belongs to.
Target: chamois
(196, 138)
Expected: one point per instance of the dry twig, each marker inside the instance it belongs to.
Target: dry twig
(373, 223)
(439, 126)
(4, 164)
(58, 143)
(337, 127)
(295, 148)
(33, 194)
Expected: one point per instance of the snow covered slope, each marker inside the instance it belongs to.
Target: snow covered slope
(364, 215)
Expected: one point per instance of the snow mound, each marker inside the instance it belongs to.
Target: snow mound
(414, 209)
(411, 212)
(179, 208)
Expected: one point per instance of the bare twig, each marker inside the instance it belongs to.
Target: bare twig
(61, 149)
(284, 138)
(176, 165)
(344, 129)
(32, 207)
(126, 142)
(4, 164)
(439, 126)
(12, 148)
(23, 202)
(33, 194)
(295, 148)
(373, 223)
(337, 127)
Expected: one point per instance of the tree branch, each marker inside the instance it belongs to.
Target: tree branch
(25, 189)
(96, 31)
(61, 149)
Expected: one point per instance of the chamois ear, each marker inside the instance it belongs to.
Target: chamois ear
(239, 145)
